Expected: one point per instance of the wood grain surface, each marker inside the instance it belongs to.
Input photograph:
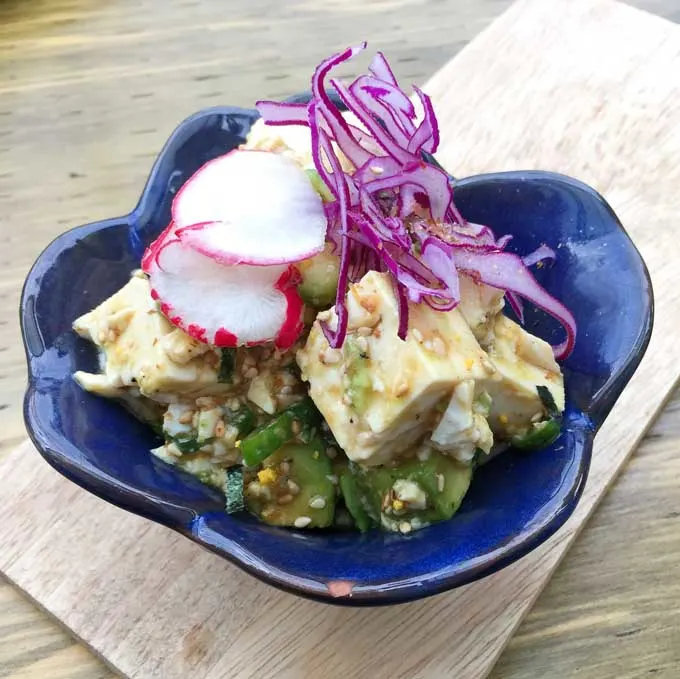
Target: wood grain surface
(90, 90)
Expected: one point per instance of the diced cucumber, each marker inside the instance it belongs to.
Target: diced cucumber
(359, 375)
(320, 185)
(539, 435)
(354, 502)
(415, 493)
(319, 284)
(267, 439)
(299, 492)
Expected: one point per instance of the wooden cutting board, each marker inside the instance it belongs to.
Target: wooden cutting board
(588, 88)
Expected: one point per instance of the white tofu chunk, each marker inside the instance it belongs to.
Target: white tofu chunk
(522, 362)
(379, 394)
(461, 430)
(141, 349)
(480, 304)
(261, 392)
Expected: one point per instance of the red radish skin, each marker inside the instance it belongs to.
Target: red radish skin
(292, 327)
(151, 252)
(222, 305)
(224, 338)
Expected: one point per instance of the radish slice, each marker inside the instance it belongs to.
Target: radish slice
(222, 305)
(251, 207)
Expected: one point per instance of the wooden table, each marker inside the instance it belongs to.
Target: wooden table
(88, 93)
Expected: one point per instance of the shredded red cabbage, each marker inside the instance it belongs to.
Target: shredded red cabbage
(394, 211)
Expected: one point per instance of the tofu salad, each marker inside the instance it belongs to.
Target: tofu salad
(320, 334)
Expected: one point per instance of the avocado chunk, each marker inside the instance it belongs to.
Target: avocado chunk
(354, 499)
(358, 369)
(409, 496)
(319, 285)
(294, 487)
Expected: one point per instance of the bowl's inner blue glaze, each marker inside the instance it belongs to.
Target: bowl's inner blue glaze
(514, 502)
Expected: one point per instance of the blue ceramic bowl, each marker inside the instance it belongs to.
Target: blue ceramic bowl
(516, 501)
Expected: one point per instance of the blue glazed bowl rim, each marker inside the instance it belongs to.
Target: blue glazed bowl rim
(187, 522)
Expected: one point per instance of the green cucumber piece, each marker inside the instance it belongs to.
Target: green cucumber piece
(353, 497)
(319, 285)
(443, 480)
(358, 370)
(307, 466)
(539, 435)
(267, 439)
(320, 185)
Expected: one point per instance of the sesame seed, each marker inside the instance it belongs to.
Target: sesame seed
(295, 427)
(330, 357)
(440, 482)
(234, 404)
(302, 522)
(376, 170)
(537, 417)
(401, 389)
(285, 390)
(438, 346)
(332, 478)
(317, 502)
(102, 336)
(285, 499)
(293, 487)
(404, 527)
(254, 488)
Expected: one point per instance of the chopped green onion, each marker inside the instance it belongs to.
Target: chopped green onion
(268, 438)
(189, 444)
(548, 401)
(233, 490)
(244, 419)
(227, 362)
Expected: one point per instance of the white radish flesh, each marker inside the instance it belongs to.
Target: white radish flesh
(223, 305)
(251, 207)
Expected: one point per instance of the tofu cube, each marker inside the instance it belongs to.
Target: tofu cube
(521, 362)
(379, 394)
(141, 349)
(462, 429)
(480, 304)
